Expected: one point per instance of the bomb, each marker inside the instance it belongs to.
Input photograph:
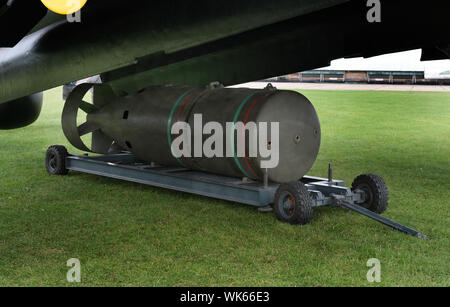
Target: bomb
(236, 132)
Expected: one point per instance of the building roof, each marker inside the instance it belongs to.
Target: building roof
(400, 61)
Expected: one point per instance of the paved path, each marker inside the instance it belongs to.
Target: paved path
(349, 87)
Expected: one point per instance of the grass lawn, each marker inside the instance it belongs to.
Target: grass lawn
(133, 235)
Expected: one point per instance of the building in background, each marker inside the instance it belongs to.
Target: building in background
(396, 68)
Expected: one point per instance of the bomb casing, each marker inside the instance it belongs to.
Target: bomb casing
(143, 123)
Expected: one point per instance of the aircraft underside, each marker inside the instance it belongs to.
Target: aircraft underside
(196, 43)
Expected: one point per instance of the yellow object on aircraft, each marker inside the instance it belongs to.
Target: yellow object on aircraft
(64, 7)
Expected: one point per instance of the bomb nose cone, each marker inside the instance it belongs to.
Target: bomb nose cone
(299, 134)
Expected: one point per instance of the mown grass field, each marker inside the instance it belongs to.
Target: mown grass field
(132, 235)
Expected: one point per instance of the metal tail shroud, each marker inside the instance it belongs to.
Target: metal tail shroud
(100, 142)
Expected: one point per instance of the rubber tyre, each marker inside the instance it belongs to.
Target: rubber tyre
(55, 160)
(376, 190)
(296, 196)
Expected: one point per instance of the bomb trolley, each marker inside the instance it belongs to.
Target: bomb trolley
(293, 202)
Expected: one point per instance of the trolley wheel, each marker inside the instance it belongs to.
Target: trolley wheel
(376, 191)
(293, 204)
(55, 160)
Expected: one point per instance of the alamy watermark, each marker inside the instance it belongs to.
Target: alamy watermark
(234, 136)
(374, 13)
(75, 17)
(374, 274)
(74, 274)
